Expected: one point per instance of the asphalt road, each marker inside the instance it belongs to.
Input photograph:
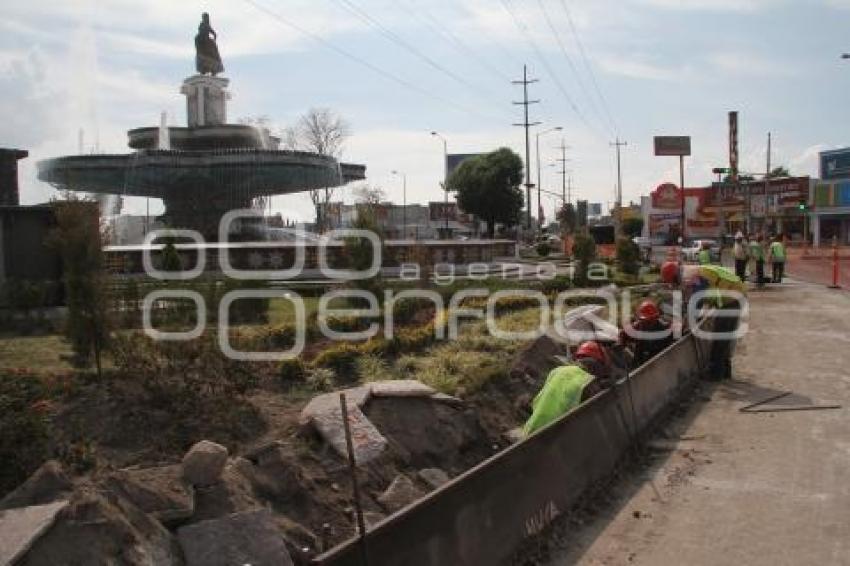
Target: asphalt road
(736, 488)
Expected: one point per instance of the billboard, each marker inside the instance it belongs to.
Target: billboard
(453, 160)
(672, 145)
(835, 164)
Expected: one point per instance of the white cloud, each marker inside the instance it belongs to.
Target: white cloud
(638, 68)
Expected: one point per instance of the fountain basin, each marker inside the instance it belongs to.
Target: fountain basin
(157, 173)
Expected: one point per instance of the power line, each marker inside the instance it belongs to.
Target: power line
(569, 59)
(441, 29)
(364, 16)
(587, 64)
(524, 29)
(372, 67)
(526, 124)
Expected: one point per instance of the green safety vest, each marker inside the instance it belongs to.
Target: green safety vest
(560, 394)
(704, 257)
(720, 278)
(777, 251)
(756, 251)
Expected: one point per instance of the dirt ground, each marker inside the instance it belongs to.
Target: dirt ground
(726, 487)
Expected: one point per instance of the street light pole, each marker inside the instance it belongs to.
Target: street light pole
(539, 184)
(445, 183)
(403, 202)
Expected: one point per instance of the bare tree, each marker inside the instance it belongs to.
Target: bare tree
(323, 131)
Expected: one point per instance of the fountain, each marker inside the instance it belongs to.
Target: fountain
(205, 169)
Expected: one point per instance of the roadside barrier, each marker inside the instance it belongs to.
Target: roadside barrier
(484, 515)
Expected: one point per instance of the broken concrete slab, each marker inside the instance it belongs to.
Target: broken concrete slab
(448, 399)
(204, 463)
(321, 404)
(21, 527)
(401, 492)
(434, 477)
(100, 527)
(159, 491)
(367, 442)
(241, 538)
(401, 388)
(48, 483)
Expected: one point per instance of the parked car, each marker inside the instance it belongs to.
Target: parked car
(691, 251)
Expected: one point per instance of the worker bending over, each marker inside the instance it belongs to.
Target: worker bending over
(568, 386)
(647, 334)
(694, 278)
(704, 255)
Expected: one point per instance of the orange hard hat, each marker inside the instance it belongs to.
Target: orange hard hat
(670, 272)
(648, 310)
(591, 350)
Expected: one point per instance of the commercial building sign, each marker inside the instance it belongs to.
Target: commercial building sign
(835, 164)
(672, 145)
(667, 196)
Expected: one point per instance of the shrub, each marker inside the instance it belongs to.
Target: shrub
(341, 358)
(628, 256)
(557, 284)
(320, 379)
(23, 427)
(373, 368)
(543, 248)
(584, 251)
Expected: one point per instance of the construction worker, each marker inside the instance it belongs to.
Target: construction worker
(695, 278)
(704, 255)
(741, 255)
(777, 259)
(757, 255)
(647, 319)
(567, 386)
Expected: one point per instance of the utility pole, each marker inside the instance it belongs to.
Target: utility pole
(618, 224)
(539, 182)
(767, 180)
(563, 161)
(526, 124)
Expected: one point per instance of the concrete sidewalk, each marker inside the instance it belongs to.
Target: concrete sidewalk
(739, 488)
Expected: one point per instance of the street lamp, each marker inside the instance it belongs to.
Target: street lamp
(445, 183)
(537, 140)
(403, 202)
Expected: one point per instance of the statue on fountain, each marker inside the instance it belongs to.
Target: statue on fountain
(207, 59)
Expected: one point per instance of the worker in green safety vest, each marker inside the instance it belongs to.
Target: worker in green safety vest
(567, 386)
(777, 259)
(694, 278)
(704, 255)
(757, 255)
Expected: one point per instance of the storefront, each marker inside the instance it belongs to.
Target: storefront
(830, 211)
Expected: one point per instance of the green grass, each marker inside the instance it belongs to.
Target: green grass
(282, 311)
(38, 353)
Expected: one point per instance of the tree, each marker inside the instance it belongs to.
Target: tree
(568, 217)
(323, 131)
(79, 238)
(628, 256)
(779, 172)
(488, 186)
(632, 227)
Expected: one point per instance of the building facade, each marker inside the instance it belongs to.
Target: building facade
(830, 206)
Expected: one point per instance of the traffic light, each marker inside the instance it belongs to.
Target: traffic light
(802, 206)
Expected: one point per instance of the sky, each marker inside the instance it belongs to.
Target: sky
(398, 69)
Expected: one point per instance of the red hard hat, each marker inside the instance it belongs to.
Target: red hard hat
(670, 272)
(591, 350)
(648, 310)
